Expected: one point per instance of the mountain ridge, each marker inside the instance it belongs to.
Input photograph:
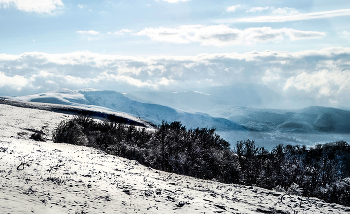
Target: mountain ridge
(116, 101)
(312, 119)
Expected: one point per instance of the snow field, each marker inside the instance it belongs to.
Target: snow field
(44, 177)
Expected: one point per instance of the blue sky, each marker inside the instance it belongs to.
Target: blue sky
(297, 48)
(138, 27)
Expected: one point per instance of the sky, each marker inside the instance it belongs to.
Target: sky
(300, 49)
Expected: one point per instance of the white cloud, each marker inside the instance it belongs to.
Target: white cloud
(89, 32)
(233, 8)
(222, 35)
(175, 35)
(271, 76)
(36, 6)
(288, 18)
(122, 31)
(345, 34)
(81, 6)
(322, 83)
(297, 34)
(320, 75)
(257, 9)
(286, 11)
(16, 82)
(175, 1)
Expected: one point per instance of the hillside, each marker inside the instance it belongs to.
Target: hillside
(307, 120)
(115, 101)
(43, 177)
(252, 106)
(204, 110)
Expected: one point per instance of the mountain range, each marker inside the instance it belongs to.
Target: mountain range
(116, 101)
(224, 108)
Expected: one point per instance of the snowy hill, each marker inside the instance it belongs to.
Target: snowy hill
(96, 112)
(116, 101)
(47, 177)
(217, 110)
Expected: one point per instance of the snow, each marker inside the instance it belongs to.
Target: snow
(44, 177)
(118, 102)
(268, 127)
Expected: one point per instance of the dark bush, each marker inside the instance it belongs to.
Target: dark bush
(322, 171)
(171, 147)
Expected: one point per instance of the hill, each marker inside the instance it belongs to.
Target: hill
(252, 106)
(115, 101)
(44, 177)
(307, 120)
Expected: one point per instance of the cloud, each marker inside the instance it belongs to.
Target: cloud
(285, 11)
(81, 6)
(257, 9)
(16, 82)
(233, 8)
(174, 1)
(324, 82)
(89, 32)
(222, 35)
(122, 31)
(35, 6)
(314, 77)
(289, 17)
(345, 34)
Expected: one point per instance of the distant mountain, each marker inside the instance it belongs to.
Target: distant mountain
(119, 102)
(211, 99)
(252, 106)
(311, 119)
(211, 107)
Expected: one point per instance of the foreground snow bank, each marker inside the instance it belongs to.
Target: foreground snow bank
(43, 177)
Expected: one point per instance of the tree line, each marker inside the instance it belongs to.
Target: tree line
(323, 171)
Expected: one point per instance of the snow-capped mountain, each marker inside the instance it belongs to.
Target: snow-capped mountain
(119, 102)
(211, 108)
(252, 106)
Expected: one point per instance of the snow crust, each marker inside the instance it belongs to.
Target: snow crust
(44, 177)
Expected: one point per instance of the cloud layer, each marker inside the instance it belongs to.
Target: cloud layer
(36, 6)
(222, 35)
(320, 77)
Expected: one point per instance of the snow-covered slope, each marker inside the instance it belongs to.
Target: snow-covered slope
(94, 111)
(44, 177)
(217, 107)
(118, 102)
